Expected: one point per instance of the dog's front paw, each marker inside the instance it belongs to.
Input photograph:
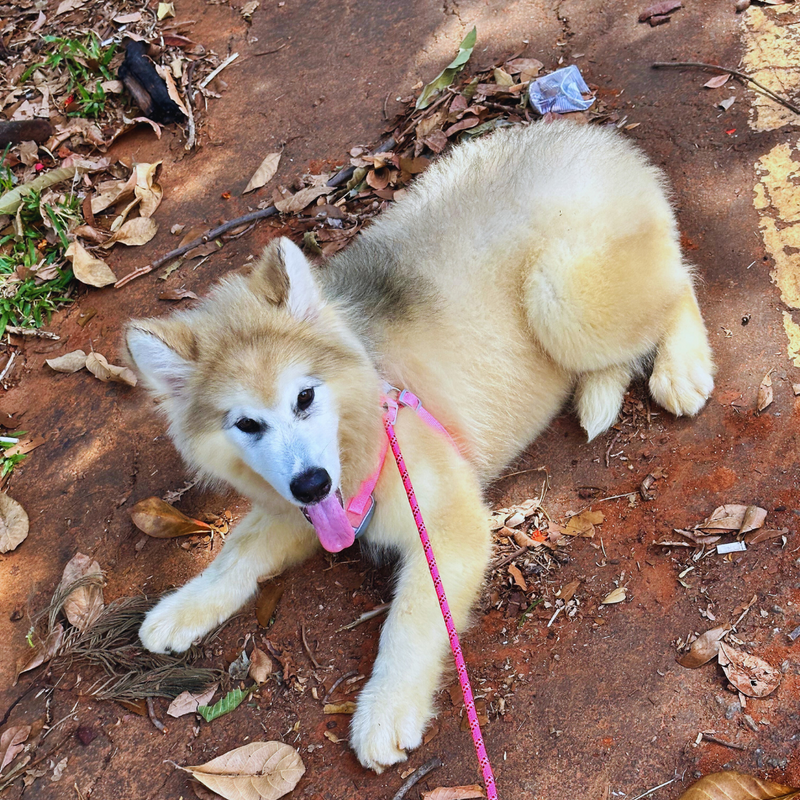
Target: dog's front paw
(173, 624)
(682, 387)
(387, 722)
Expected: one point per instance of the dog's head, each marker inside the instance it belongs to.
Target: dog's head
(262, 383)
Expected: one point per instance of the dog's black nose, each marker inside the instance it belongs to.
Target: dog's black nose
(310, 486)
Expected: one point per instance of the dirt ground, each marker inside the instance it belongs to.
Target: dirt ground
(594, 706)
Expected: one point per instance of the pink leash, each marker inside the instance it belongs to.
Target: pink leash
(389, 418)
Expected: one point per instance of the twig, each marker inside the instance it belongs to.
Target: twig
(336, 684)
(654, 789)
(367, 615)
(151, 712)
(610, 447)
(522, 472)
(37, 333)
(314, 661)
(213, 74)
(416, 776)
(736, 74)
(8, 366)
(709, 737)
(503, 561)
(341, 177)
(270, 52)
(191, 137)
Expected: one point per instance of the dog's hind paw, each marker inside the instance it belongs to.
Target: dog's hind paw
(682, 387)
(385, 726)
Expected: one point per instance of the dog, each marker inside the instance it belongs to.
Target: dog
(534, 264)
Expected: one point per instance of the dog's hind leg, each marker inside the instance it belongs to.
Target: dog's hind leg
(598, 397)
(260, 546)
(683, 371)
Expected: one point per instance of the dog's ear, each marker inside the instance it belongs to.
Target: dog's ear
(283, 276)
(163, 352)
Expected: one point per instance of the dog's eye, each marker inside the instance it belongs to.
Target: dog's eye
(247, 425)
(305, 399)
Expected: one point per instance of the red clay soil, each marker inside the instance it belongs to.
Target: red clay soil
(592, 703)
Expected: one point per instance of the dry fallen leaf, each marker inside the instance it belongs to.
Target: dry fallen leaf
(88, 269)
(567, 592)
(69, 362)
(515, 573)
(738, 786)
(133, 232)
(84, 604)
(347, 707)
(717, 81)
(187, 702)
(617, 596)
(265, 172)
(751, 675)
(260, 666)
(734, 517)
(163, 521)
(44, 652)
(297, 202)
(111, 192)
(583, 524)
(257, 771)
(704, 648)
(148, 192)
(97, 364)
(13, 523)
(455, 793)
(69, 5)
(12, 742)
(267, 602)
(764, 393)
(659, 9)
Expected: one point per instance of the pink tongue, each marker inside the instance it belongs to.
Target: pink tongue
(331, 524)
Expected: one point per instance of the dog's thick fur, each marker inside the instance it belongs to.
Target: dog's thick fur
(534, 263)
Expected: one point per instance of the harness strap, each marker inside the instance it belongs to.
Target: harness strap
(359, 507)
(466, 690)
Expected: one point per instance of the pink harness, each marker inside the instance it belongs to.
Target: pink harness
(359, 510)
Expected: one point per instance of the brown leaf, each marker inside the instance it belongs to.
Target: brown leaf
(764, 393)
(69, 362)
(461, 125)
(163, 521)
(502, 78)
(297, 202)
(437, 141)
(734, 517)
(14, 524)
(44, 652)
(751, 675)
(660, 9)
(88, 269)
(617, 596)
(268, 599)
(187, 702)
(704, 648)
(111, 192)
(717, 81)
(177, 294)
(84, 604)
(454, 793)
(257, 771)
(738, 786)
(517, 576)
(265, 173)
(133, 232)
(97, 364)
(146, 190)
(260, 666)
(567, 592)
(526, 68)
(12, 742)
(583, 524)
(347, 707)
(756, 537)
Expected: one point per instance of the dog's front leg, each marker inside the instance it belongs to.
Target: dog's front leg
(260, 546)
(397, 703)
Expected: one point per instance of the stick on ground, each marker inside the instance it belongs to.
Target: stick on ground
(742, 76)
(417, 776)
